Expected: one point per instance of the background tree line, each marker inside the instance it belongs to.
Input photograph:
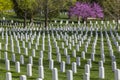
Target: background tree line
(27, 9)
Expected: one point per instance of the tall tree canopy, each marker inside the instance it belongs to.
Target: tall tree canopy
(51, 8)
(112, 8)
(5, 5)
(25, 9)
(85, 10)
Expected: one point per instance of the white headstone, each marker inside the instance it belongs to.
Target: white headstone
(86, 49)
(6, 41)
(74, 53)
(41, 54)
(55, 74)
(26, 51)
(51, 64)
(62, 66)
(77, 47)
(23, 77)
(36, 46)
(23, 44)
(7, 63)
(21, 59)
(31, 60)
(40, 61)
(86, 76)
(39, 79)
(103, 57)
(114, 66)
(113, 58)
(19, 50)
(29, 45)
(93, 57)
(49, 56)
(57, 50)
(43, 46)
(17, 65)
(5, 55)
(70, 46)
(74, 67)
(69, 75)
(78, 61)
(29, 70)
(73, 43)
(41, 72)
(83, 54)
(6, 47)
(33, 53)
(101, 73)
(63, 45)
(117, 74)
(65, 51)
(68, 59)
(12, 48)
(101, 64)
(13, 57)
(90, 63)
(87, 68)
(55, 21)
(59, 58)
(0, 46)
(8, 76)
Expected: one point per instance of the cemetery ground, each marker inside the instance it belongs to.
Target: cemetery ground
(58, 44)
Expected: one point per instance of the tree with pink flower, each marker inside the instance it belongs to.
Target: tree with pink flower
(85, 10)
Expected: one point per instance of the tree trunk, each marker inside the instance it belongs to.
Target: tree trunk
(117, 23)
(25, 18)
(46, 20)
(78, 18)
(69, 17)
(46, 14)
(31, 21)
(84, 20)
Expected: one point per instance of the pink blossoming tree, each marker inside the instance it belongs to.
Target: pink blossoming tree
(85, 10)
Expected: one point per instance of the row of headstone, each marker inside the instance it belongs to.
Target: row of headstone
(69, 74)
(74, 68)
(92, 23)
(22, 77)
(114, 64)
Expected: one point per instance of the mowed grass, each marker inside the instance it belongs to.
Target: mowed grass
(94, 72)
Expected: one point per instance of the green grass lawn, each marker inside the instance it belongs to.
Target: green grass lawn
(94, 72)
